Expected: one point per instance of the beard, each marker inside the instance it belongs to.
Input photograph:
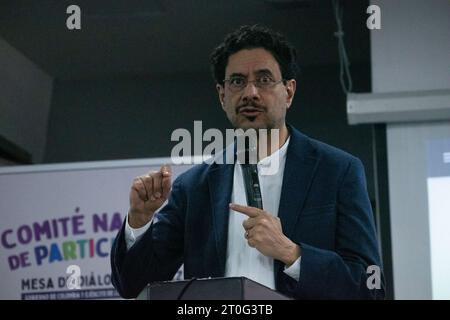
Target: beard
(250, 115)
(260, 121)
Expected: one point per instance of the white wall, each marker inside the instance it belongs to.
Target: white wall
(411, 52)
(25, 97)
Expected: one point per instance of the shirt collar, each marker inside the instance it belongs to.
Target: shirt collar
(281, 153)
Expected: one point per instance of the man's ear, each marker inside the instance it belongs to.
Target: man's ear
(221, 93)
(291, 86)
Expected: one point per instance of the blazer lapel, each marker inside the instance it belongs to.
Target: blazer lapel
(220, 180)
(301, 163)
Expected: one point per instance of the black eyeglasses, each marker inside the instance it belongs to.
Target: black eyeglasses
(236, 83)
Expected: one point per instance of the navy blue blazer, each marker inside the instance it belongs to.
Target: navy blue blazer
(324, 208)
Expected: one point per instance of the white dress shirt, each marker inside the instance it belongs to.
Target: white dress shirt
(241, 259)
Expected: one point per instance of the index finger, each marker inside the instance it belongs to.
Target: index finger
(166, 170)
(166, 179)
(251, 212)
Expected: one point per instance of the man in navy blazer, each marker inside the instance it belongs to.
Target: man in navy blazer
(323, 230)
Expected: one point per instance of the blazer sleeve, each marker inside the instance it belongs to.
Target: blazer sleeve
(157, 255)
(341, 274)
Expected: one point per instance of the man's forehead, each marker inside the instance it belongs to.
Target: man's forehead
(252, 61)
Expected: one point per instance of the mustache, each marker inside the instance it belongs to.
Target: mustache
(250, 107)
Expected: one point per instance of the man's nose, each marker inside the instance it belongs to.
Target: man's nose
(250, 92)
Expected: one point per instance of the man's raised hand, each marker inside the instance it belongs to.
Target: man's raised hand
(148, 193)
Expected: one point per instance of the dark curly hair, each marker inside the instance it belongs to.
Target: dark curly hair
(255, 36)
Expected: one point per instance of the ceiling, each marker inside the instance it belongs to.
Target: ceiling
(144, 37)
